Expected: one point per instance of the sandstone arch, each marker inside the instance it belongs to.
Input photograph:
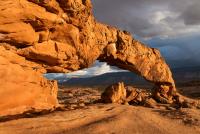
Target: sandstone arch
(61, 36)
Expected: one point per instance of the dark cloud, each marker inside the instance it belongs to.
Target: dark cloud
(191, 15)
(149, 18)
(124, 14)
(179, 51)
(173, 26)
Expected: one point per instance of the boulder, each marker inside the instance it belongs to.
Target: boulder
(118, 93)
(115, 93)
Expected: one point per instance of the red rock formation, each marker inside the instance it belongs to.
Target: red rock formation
(114, 94)
(118, 93)
(22, 88)
(39, 36)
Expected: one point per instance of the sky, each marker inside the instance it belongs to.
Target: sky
(172, 26)
(97, 69)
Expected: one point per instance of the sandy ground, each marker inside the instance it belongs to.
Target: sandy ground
(108, 119)
(105, 119)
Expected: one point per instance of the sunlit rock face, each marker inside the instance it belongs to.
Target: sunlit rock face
(114, 94)
(61, 36)
(23, 89)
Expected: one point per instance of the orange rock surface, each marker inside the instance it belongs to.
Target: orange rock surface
(21, 88)
(60, 36)
(114, 94)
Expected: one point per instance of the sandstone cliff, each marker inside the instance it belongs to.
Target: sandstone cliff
(61, 36)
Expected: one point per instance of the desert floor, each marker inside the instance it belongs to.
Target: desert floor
(82, 116)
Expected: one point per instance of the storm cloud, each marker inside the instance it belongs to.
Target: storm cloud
(173, 26)
(150, 18)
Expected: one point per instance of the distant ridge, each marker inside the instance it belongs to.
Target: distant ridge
(186, 69)
(106, 79)
(180, 75)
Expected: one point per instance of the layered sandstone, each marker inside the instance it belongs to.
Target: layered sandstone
(61, 36)
(22, 88)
